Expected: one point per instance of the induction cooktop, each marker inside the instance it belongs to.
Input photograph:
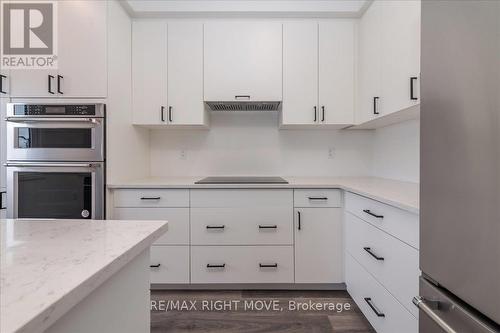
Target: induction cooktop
(242, 180)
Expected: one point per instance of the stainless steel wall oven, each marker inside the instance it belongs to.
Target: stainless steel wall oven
(55, 161)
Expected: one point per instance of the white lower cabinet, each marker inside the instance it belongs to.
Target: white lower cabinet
(242, 264)
(169, 264)
(381, 309)
(318, 245)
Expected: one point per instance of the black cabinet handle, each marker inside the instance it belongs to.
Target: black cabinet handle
(2, 207)
(50, 77)
(216, 265)
(375, 99)
(268, 226)
(155, 266)
(323, 113)
(162, 113)
(369, 212)
(368, 301)
(299, 222)
(315, 114)
(170, 114)
(369, 250)
(275, 265)
(150, 198)
(412, 96)
(317, 198)
(216, 226)
(1, 84)
(59, 77)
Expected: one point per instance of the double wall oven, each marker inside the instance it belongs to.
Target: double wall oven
(55, 161)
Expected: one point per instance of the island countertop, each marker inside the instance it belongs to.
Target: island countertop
(49, 266)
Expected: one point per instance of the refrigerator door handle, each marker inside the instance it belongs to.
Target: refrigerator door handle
(420, 303)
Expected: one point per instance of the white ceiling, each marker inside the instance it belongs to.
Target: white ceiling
(246, 8)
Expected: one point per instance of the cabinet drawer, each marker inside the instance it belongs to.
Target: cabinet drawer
(242, 226)
(317, 198)
(393, 263)
(241, 198)
(397, 222)
(172, 264)
(151, 198)
(178, 222)
(242, 264)
(365, 290)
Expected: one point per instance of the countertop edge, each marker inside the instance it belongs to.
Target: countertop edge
(48, 316)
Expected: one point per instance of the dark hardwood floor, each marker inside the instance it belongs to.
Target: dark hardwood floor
(202, 311)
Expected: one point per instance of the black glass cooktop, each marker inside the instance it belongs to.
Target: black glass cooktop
(242, 180)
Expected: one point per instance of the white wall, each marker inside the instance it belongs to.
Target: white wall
(396, 151)
(127, 150)
(241, 143)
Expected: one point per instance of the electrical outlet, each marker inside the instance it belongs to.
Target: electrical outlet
(331, 153)
(182, 155)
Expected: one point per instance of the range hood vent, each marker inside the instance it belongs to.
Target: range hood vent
(243, 106)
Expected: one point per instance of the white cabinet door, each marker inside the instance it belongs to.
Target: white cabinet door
(300, 73)
(318, 245)
(370, 101)
(3, 147)
(33, 83)
(82, 45)
(185, 74)
(401, 54)
(336, 72)
(243, 59)
(149, 72)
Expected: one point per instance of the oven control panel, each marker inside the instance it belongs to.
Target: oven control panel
(54, 110)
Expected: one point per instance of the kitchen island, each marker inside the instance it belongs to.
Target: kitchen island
(76, 275)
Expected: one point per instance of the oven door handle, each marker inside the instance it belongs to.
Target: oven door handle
(52, 120)
(49, 165)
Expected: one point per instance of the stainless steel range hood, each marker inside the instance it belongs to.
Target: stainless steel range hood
(243, 105)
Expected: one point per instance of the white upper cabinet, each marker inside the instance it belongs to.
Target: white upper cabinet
(149, 72)
(318, 73)
(167, 73)
(82, 48)
(370, 69)
(389, 58)
(243, 61)
(82, 59)
(185, 74)
(336, 72)
(300, 73)
(401, 54)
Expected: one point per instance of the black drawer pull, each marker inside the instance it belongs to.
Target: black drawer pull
(315, 114)
(170, 114)
(368, 301)
(150, 198)
(162, 113)
(268, 227)
(2, 207)
(369, 212)
(275, 265)
(412, 96)
(369, 250)
(50, 77)
(1, 84)
(59, 85)
(299, 222)
(216, 265)
(375, 111)
(216, 226)
(317, 198)
(155, 266)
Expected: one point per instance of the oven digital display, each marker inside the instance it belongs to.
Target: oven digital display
(55, 110)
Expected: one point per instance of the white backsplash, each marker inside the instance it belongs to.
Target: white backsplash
(251, 144)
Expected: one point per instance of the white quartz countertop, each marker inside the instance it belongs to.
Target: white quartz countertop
(48, 266)
(404, 195)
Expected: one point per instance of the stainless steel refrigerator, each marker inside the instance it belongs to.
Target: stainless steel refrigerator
(460, 167)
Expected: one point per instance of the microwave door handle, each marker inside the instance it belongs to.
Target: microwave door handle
(48, 165)
(50, 120)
